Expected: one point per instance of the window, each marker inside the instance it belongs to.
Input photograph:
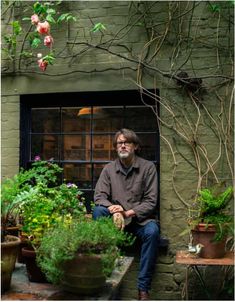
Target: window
(76, 131)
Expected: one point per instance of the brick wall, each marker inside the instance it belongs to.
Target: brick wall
(198, 42)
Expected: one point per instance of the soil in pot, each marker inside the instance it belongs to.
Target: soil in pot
(9, 251)
(33, 270)
(205, 235)
(84, 275)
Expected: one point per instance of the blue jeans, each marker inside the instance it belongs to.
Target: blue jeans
(149, 236)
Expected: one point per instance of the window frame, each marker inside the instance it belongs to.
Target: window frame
(79, 99)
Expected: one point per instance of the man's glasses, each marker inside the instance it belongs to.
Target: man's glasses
(127, 144)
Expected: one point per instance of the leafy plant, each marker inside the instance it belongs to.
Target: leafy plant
(34, 198)
(80, 236)
(211, 208)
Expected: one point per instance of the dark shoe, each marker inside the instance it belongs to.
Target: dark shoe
(143, 296)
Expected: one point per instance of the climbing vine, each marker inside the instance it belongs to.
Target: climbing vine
(176, 29)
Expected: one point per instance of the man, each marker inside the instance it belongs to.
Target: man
(127, 189)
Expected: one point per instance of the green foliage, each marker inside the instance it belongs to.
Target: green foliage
(82, 236)
(213, 201)
(11, 39)
(211, 207)
(36, 198)
(66, 17)
(49, 58)
(46, 11)
(98, 27)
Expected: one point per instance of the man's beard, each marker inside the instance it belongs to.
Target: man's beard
(124, 154)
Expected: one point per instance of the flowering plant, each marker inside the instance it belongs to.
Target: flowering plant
(39, 200)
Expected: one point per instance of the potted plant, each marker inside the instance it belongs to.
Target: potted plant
(10, 201)
(45, 205)
(210, 220)
(34, 198)
(79, 254)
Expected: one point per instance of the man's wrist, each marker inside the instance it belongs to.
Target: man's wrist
(129, 213)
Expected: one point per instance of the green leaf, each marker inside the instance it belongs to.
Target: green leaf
(66, 17)
(16, 28)
(35, 43)
(214, 7)
(27, 54)
(51, 11)
(39, 8)
(97, 27)
(26, 19)
(50, 19)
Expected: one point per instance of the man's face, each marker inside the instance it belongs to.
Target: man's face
(125, 149)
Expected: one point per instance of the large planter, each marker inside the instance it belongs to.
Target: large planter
(205, 234)
(33, 270)
(83, 275)
(9, 251)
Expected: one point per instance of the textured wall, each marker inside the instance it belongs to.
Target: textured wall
(188, 36)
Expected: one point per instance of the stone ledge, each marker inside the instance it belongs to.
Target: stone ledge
(22, 289)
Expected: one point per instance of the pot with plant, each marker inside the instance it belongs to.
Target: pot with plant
(11, 188)
(211, 221)
(34, 198)
(46, 204)
(78, 255)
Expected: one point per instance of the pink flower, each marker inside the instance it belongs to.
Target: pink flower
(43, 27)
(37, 158)
(34, 19)
(42, 64)
(48, 41)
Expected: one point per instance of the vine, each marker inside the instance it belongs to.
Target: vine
(179, 30)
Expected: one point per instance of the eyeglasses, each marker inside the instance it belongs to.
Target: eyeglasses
(127, 144)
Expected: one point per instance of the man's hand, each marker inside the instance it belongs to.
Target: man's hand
(115, 209)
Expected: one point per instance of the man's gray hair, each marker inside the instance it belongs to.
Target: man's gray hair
(131, 137)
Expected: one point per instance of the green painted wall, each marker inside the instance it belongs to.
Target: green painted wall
(169, 37)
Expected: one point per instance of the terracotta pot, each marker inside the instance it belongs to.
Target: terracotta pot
(83, 275)
(13, 231)
(205, 235)
(33, 271)
(9, 251)
(23, 243)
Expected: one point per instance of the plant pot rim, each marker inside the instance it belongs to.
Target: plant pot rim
(11, 241)
(204, 227)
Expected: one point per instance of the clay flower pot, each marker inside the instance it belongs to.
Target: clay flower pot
(205, 234)
(33, 271)
(83, 274)
(9, 251)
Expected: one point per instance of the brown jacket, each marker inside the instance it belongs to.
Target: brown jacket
(135, 190)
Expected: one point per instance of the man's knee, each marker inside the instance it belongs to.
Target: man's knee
(100, 211)
(152, 231)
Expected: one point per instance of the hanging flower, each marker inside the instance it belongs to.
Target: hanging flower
(43, 27)
(48, 41)
(35, 19)
(42, 64)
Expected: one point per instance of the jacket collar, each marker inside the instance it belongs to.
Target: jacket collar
(118, 165)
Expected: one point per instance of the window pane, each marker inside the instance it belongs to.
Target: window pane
(76, 147)
(72, 121)
(102, 145)
(80, 174)
(111, 119)
(148, 146)
(46, 146)
(140, 119)
(45, 120)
